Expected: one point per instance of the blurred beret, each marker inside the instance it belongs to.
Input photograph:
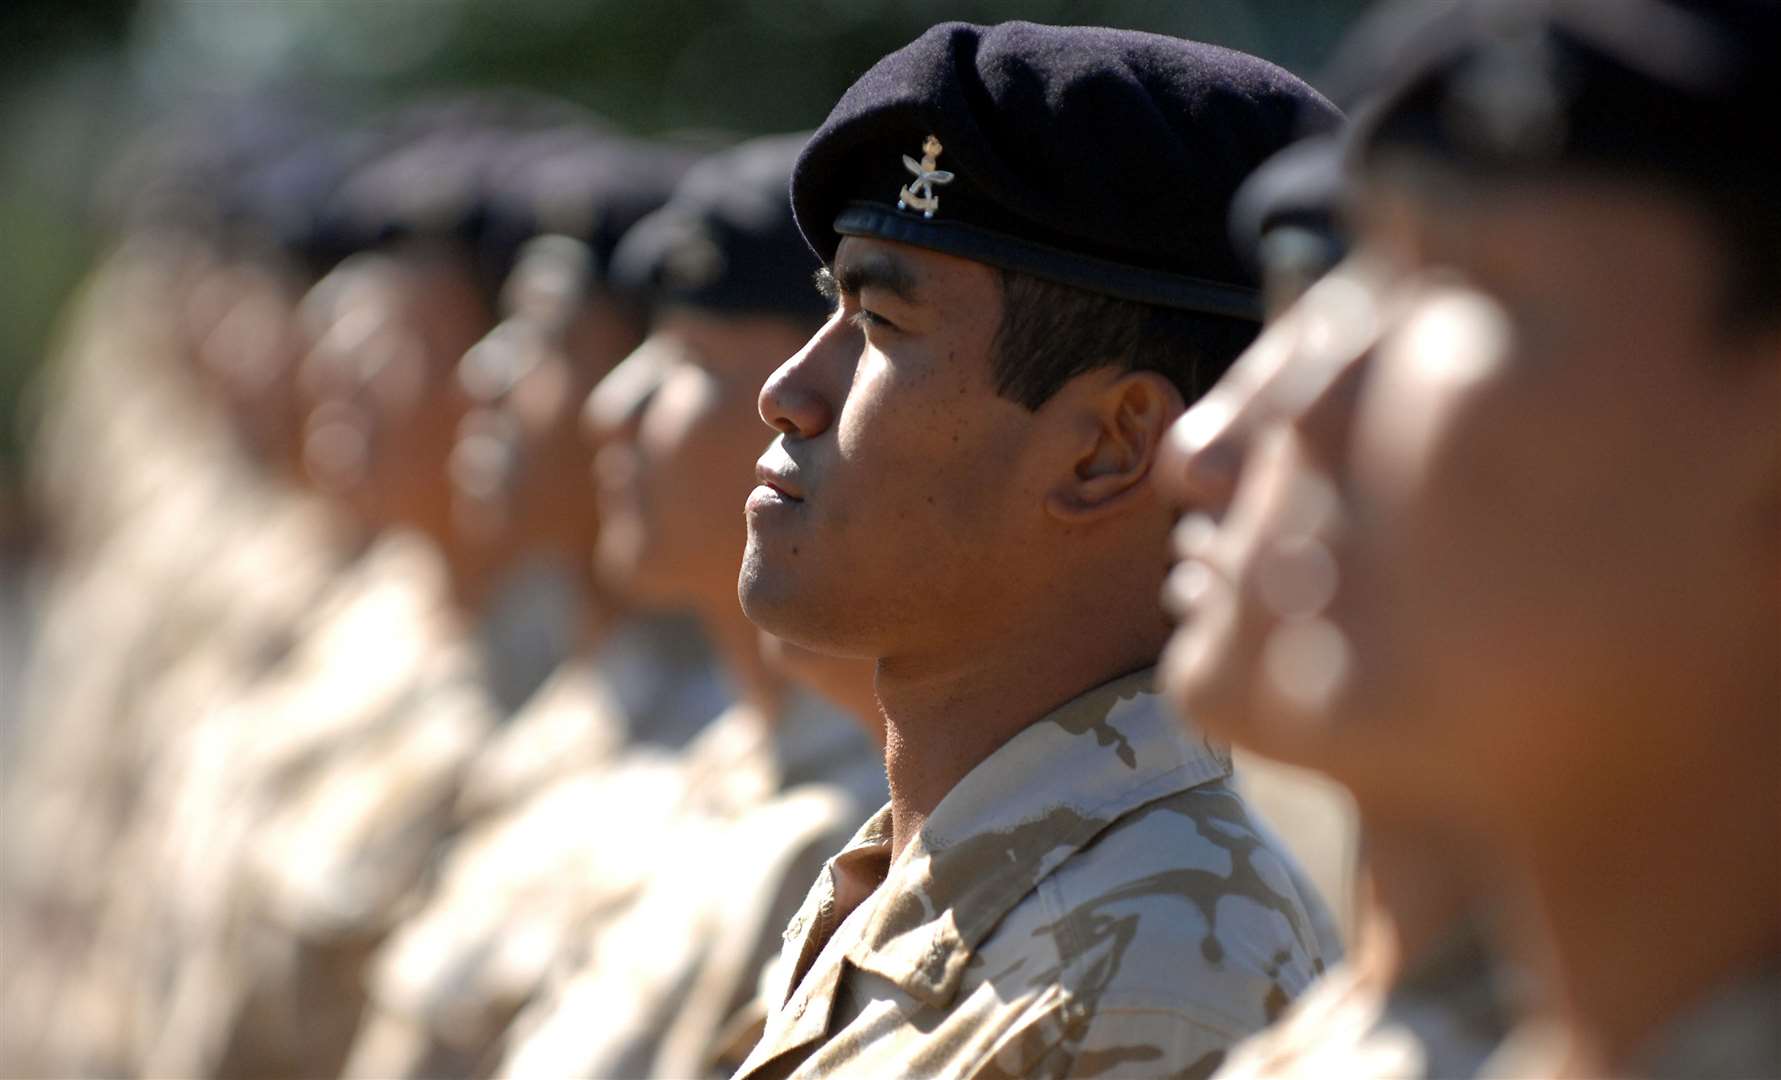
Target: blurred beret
(488, 173)
(1660, 87)
(283, 203)
(1296, 194)
(726, 240)
(585, 183)
(185, 167)
(1103, 159)
(436, 185)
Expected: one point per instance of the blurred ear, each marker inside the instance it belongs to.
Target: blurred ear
(1118, 420)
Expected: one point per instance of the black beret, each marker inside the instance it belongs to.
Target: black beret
(1103, 159)
(726, 240)
(1298, 191)
(1646, 86)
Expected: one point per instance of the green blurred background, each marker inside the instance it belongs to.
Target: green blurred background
(77, 79)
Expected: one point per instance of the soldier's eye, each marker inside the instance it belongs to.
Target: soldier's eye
(865, 318)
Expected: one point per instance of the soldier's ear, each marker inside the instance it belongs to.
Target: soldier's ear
(1117, 421)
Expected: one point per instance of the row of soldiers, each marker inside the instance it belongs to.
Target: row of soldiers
(341, 762)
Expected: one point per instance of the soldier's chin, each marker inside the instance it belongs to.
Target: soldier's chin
(762, 592)
(785, 605)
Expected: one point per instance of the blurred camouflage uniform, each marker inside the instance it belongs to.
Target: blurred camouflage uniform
(767, 802)
(1124, 915)
(779, 781)
(352, 759)
(522, 873)
(180, 572)
(289, 823)
(1442, 1019)
(539, 888)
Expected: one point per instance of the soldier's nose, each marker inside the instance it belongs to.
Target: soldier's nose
(804, 394)
(792, 401)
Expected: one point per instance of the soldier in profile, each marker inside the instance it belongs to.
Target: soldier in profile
(1495, 516)
(1064, 880)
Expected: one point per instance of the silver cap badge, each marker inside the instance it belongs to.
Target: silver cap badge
(918, 194)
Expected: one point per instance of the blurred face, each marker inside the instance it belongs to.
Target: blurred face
(900, 483)
(248, 346)
(388, 331)
(677, 433)
(1484, 522)
(519, 468)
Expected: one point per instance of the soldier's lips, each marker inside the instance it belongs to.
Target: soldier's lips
(776, 481)
(767, 497)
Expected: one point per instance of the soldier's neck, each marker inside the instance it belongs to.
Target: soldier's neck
(947, 711)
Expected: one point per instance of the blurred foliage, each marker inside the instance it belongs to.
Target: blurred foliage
(45, 47)
(78, 78)
(745, 65)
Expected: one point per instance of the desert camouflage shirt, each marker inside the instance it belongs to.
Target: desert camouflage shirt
(1092, 900)
(1444, 1018)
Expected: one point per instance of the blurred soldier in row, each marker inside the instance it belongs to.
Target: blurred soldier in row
(245, 965)
(450, 212)
(1063, 881)
(782, 782)
(510, 537)
(1418, 995)
(1283, 223)
(1497, 516)
(489, 459)
(677, 436)
(181, 564)
(338, 748)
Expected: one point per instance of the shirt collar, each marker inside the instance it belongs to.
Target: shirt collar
(1016, 817)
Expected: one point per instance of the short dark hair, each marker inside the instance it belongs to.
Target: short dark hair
(1051, 333)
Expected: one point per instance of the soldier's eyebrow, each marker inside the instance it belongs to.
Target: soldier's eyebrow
(824, 279)
(875, 270)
